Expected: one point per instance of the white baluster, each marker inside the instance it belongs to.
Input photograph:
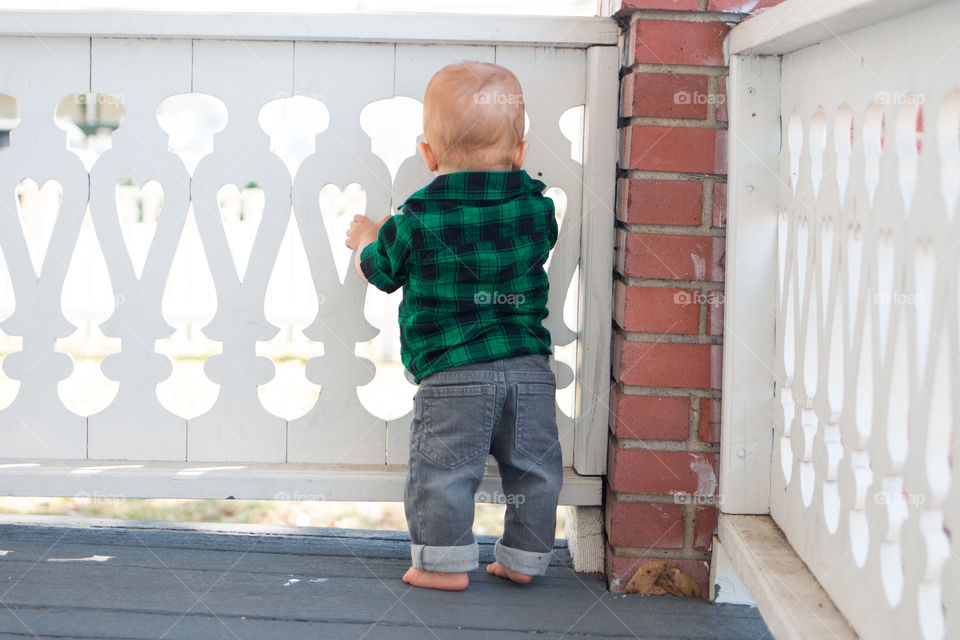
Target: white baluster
(37, 424)
(339, 429)
(141, 73)
(244, 75)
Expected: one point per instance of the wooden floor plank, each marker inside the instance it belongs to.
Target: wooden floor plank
(181, 583)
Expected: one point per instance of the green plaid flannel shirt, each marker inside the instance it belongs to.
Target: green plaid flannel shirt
(468, 251)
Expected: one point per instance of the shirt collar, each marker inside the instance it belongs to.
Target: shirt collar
(478, 185)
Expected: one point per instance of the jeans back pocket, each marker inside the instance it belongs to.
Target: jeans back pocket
(456, 422)
(536, 428)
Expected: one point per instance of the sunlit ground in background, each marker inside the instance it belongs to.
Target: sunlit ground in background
(349, 515)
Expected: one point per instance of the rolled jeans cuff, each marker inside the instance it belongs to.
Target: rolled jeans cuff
(452, 559)
(532, 563)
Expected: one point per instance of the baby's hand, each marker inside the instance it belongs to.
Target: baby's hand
(362, 231)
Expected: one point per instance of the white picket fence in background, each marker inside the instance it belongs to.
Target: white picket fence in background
(245, 61)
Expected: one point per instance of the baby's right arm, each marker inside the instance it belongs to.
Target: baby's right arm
(362, 231)
(385, 264)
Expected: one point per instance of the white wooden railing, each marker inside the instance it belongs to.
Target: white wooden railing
(841, 360)
(338, 449)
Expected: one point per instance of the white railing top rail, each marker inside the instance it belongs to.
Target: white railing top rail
(788, 27)
(393, 28)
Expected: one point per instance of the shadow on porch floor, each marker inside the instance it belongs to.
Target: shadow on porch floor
(69, 577)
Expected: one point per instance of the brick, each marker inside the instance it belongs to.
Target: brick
(641, 524)
(650, 417)
(722, 99)
(620, 569)
(676, 202)
(704, 527)
(719, 213)
(665, 95)
(655, 309)
(678, 42)
(709, 428)
(627, 6)
(663, 472)
(670, 257)
(683, 149)
(740, 6)
(664, 364)
(714, 302)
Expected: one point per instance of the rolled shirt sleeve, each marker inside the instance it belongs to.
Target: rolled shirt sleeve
(385, 261)
(552, 227)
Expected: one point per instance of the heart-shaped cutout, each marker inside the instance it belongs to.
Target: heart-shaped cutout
(38, 208)
(138, 209)
(337, 209)
(241, 213)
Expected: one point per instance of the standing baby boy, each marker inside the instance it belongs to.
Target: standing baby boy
(469, 250)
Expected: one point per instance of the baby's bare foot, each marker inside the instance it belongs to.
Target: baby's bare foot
(436, 579)
(498, 569)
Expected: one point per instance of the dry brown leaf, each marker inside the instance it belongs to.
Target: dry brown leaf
(658, 577)
(644, 580)
(678, 583)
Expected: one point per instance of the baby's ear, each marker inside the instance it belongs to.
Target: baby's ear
(520, 154)
(428, 156)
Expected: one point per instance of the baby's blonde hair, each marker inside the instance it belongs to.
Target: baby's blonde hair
(473, 115)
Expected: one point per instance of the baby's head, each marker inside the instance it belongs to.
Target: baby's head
(473, 119)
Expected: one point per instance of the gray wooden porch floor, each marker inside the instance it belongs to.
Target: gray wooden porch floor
(170, 580)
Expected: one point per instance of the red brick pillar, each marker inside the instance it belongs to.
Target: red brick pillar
(661, 492)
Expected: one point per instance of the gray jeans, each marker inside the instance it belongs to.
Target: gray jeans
(460, 415)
